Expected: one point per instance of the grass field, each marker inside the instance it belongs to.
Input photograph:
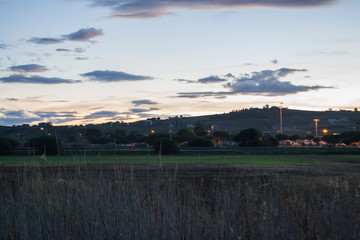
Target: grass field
(189, 197)
(255, 160)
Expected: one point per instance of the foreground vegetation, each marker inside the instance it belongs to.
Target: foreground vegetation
(35, 204)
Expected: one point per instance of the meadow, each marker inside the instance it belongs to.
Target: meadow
(180, 197)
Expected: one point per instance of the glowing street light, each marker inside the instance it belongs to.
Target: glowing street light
(316, 126)
(325, 131)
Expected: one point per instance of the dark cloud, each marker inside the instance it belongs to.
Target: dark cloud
(84, 34)
(265, 83)
(38, 40)
(28, 68)
(143, 102)
(55, 114)
(15, 114)
(143, 110)
(139, 110)
(35, 79)
(156, 8)
(185, 80)
(12, 99)
(211, 79)
(102, 114)
(82, 58)
(63, 50)
(113, 76)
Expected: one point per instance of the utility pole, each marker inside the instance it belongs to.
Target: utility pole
(316, 126)
(281, 117)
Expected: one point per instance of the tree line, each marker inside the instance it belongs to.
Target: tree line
(168, 142)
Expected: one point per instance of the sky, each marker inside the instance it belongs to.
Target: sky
(73, 62)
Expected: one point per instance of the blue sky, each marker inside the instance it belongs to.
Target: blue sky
(93, 61)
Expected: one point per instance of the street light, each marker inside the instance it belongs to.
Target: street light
(281, 117)
(316, 126)
(325, 131)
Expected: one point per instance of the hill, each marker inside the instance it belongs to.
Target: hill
(265, 119)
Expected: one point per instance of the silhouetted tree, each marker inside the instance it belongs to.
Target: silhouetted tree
(220, 136)
(166, 146)
(6, 145)
(249, 137)
(46, 144)
(200, 142)
(331, 139)
(184, 135)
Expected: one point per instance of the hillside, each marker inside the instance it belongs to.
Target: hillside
(266, 119)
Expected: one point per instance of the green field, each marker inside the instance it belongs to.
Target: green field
(256, 160)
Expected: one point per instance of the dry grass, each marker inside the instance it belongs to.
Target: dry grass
(38, 205)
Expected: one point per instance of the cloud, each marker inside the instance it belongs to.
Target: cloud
(113, 76)
(63, 50)
(12, 99)
(55, 114)
(35, 80)
(38, 40)
(185, 80)
(143, 110)
(28, 68)
(79, 50)
(156, 8)
(143, 102)
(211, 79)
(15, 114)
(82, 35)
(265, 83)
(275, 61)
(3, 46)
(102, 114)
(82, 58)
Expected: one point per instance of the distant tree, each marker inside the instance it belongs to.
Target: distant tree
(184, 135)
(281, 136)
(331, 139)
(120, 136)
(295, 137)
(165, 146)
(220, 136)
(136, 137)
(95, 136)
(200, 131)
(46, 144)
(249, 137)
(200, 142)
(6, 145)
(152, 138)
(350, 137)
(269, 141)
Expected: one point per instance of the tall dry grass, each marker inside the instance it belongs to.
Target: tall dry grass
(78, 205)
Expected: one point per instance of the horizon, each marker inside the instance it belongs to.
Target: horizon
(108, 61)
